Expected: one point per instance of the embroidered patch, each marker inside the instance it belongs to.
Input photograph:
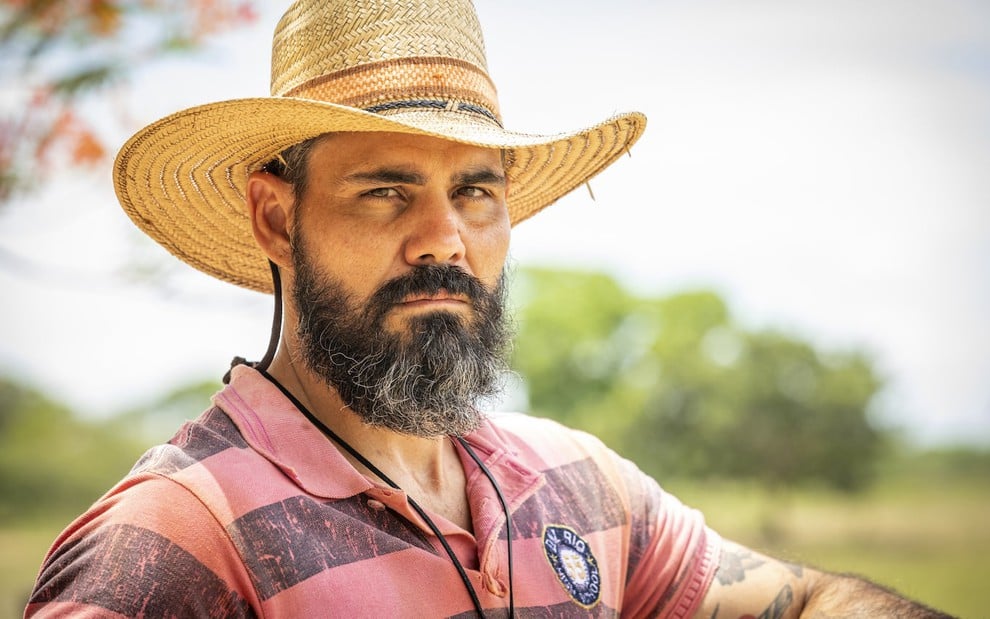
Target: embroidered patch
(575, 565)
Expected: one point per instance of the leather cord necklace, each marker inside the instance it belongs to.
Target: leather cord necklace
(418, 509)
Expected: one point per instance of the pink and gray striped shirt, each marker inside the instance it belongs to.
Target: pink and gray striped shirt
(251, 511)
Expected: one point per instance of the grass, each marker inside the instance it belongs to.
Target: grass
(928, 540)
(927, 537)
(24, 547)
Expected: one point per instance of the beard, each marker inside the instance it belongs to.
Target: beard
(427, 380)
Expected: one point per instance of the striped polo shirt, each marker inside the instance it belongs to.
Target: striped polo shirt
(251, 511)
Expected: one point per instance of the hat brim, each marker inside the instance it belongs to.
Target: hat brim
(182, 179)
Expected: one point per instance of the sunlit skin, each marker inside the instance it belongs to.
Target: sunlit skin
(379, 204)
(376, 206)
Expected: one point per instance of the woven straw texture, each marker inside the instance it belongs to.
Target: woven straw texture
(408, 66)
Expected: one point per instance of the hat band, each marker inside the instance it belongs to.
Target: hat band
(400, 81)
(433, 104)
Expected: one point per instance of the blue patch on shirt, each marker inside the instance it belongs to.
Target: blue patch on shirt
(575, 565)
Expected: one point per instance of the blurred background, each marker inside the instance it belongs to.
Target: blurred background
(777, 305)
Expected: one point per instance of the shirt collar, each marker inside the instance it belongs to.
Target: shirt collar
(274, 427)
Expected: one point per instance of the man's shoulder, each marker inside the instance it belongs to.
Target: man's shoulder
(546, 440)
(210, 434)
(524, 422)
(541, 430)
(173, 497)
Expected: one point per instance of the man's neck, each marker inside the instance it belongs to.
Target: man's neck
(427, 469)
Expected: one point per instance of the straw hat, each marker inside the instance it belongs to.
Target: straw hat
(406, 66)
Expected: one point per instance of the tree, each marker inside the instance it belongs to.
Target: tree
(55, 463)
(570, 347)
(156, 421)
(57, 54)
(51, 462)
(677, 385)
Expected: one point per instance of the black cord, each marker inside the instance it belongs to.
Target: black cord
(276, 330)
(419, 510)
(276, 320)
(505, 510)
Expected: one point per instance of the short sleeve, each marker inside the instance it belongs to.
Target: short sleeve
(672, 554)
(148, 548)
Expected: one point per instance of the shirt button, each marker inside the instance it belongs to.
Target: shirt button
(376, 505)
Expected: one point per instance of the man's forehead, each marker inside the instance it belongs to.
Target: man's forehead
(363, 154)
(385, 139)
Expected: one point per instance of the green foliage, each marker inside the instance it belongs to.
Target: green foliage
(677, 385)
(76, 83)
(157, 421)
(567, 348)
(54, 463)
(50, 461)
(945, 462)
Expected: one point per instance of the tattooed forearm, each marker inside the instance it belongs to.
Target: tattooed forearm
(776, 610)
(779, 605)
(734, 564)
(746, 581)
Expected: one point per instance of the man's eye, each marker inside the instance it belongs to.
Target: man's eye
(472, 192)
(382, 192)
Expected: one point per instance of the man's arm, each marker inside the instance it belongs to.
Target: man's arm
(749, 585)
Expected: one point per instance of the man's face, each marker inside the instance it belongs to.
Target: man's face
(399, 243)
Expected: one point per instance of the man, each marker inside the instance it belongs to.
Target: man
(350, 472)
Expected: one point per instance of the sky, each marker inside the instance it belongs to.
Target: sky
(822, 164)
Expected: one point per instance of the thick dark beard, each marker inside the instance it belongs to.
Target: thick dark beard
(427, 381)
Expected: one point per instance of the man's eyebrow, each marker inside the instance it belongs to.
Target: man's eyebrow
(480, 177)
(388, 176)
(398, 176)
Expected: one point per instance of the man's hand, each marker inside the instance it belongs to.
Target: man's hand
(749, 585)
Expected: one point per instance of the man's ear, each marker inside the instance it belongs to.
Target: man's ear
(269, 200)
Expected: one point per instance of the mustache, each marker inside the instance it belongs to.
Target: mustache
(429, 280)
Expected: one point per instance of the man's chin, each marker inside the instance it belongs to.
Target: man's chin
(434, 432)
(402, 322)
(412, 420)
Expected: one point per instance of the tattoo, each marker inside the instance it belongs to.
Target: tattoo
(733, 565)
(776, 609)
(796, 569)
(779, 605)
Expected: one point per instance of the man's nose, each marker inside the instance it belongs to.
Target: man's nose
(435, 235)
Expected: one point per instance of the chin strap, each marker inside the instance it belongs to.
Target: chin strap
(276, 331)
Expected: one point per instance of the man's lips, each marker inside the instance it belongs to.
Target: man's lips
(441, 297)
